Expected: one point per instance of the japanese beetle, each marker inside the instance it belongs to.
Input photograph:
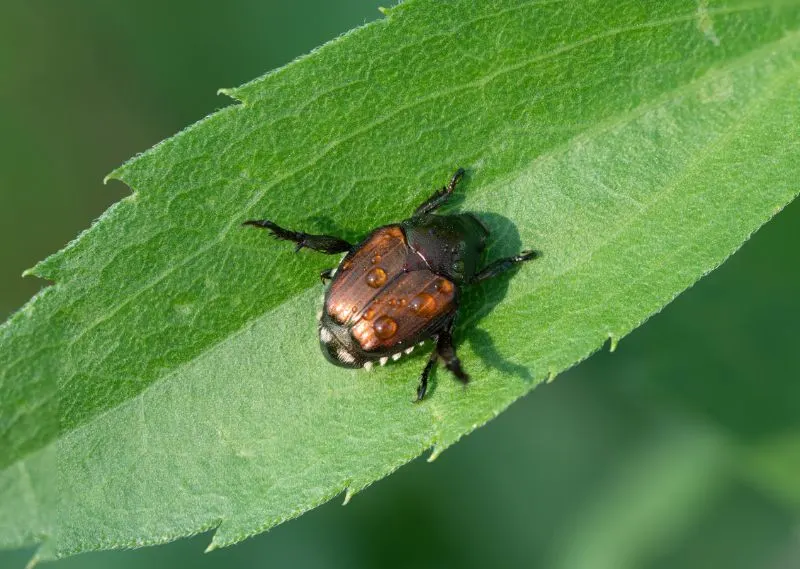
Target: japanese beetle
(400, 286)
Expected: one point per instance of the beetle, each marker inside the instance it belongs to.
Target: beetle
(400, 286)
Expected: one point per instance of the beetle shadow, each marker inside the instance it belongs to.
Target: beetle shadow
(479, 300)
(328, 226)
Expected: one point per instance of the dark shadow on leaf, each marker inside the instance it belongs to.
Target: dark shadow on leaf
(327, 225)
(483, 344)
(480, 299)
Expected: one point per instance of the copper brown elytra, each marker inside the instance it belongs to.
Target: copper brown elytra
(400, 286)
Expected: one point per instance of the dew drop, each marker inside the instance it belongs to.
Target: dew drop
(423, 304)
(376, 259)
(369, 314)
(385, 327)
(443, 286)
(376, 277)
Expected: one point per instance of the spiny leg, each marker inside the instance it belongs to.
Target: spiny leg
(322, 243)
(446, 351)
(502, 265)
(441, 196)
(422, 388)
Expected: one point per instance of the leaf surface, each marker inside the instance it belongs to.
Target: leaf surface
(170, 380)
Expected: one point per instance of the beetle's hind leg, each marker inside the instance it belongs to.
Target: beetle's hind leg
(422, 388)
(447, 352)
(441, 196)
(500, 266)
(322, 243)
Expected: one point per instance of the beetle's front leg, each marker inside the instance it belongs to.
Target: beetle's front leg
(437, 199)
(502, 265)
(322, 243)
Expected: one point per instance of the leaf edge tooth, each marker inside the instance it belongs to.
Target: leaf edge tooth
(53, 267)
(613, 341)
(349, 492)
(33, 561)
(232, 93)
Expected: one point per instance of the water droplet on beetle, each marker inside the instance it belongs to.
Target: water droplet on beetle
(385, 327)
(423, 304)
(443, 286)
(376, 277)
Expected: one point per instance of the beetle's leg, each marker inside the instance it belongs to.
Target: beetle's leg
(446, 351)
(322, 243)
(423, 379)
(502, 265)
(326, 275)
(440, 196)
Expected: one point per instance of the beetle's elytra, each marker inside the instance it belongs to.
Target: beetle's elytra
(400, 286)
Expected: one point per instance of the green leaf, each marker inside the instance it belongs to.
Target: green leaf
(170, 380)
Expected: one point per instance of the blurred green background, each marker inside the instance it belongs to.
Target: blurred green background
(682, 449)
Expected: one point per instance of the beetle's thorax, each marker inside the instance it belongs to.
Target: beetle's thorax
(450, 245)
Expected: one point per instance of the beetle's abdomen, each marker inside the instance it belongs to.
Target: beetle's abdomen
(404, 311)
(385, 295)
